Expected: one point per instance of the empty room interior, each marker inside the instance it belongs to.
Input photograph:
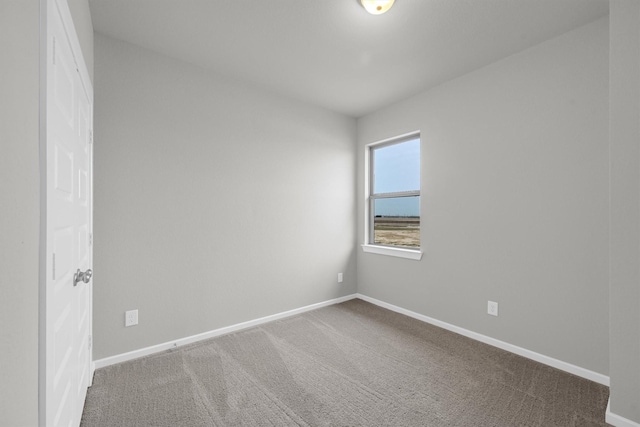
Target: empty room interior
(336, 212)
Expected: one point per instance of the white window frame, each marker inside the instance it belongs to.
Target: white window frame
(369, 246)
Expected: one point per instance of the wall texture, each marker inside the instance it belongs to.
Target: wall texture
(215, 203)
(514, 200)
(19, 212)
(624, 335)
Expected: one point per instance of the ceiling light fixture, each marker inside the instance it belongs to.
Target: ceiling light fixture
(377, 7)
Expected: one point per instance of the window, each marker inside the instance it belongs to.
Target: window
(393, 205)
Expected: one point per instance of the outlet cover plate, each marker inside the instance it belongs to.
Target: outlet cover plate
(130, 318)
(339, 277)
(492, 308)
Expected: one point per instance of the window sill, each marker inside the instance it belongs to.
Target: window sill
(396, 252)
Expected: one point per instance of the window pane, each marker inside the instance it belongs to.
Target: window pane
(396, 221)
(397, 167)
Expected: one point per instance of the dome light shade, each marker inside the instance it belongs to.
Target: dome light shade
(377, 7)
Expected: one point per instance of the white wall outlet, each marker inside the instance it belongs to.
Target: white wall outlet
(131, 318)
(339, 277)
(492, 308)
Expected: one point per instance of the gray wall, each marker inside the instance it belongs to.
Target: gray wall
(19, 212)
(514, 200)
(624, 294)
(215, 203)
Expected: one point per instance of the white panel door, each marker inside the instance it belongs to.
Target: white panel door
(69, 225)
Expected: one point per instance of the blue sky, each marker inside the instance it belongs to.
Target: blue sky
(397, 168)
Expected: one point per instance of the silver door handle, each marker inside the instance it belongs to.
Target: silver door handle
(82, 277)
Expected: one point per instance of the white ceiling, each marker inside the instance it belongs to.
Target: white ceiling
(331, 52)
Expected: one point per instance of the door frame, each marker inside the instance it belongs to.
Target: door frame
(44, 256)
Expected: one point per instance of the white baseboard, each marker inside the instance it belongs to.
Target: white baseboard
(564, 366)
(550, 361)
(617, 420)
(101, 363)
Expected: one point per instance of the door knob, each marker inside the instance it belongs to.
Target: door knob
(82, 277)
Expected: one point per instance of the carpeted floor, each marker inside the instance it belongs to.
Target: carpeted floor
(351, 364)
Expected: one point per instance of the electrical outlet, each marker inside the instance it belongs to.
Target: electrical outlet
(131, 318)
(339, 277)
(492, 308)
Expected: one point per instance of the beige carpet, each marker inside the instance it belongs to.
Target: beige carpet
(351, 364)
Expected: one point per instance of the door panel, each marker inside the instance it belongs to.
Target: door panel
(64, 73)
(63, 251)
(68, 227)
